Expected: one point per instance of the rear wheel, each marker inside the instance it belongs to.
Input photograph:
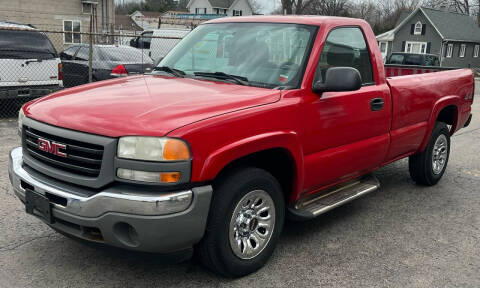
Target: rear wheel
(427, 168)
(245, 221)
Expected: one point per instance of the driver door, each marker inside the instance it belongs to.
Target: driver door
(345, 136)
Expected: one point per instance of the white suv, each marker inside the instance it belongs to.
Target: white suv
(29, 64)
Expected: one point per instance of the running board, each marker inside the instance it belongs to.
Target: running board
(314, 205)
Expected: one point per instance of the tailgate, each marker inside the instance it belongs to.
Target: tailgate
(29, 72)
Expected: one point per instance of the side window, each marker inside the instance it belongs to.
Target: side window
(345, 47)
(82, 54)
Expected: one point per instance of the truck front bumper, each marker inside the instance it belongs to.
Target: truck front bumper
(18, 92)
(161, 222)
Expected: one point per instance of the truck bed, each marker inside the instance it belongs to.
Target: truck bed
(393, 70)
(413, 97)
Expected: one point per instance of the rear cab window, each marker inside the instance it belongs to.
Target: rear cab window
(414, 59)
(346, 47)
(19, 44)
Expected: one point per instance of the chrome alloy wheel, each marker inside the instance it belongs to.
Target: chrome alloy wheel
(439, 154)
(252, 224)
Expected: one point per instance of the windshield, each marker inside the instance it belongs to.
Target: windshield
(17, 44)
(265, 54)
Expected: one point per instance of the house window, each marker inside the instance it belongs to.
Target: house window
(72, 32)
(219, 11)
(87, 8)
(416, 47)
(418, 28)
(449, 50)
(476, 51)
(383, 47)
(463, 47)
(423, 48)
(237, 13)
(200, 10)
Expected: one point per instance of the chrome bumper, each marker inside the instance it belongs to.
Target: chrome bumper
(161, 221)
(101, 202)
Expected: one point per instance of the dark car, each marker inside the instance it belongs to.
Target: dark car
(414, 59)
(109, 61)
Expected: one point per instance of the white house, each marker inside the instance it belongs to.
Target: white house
(385, 42)
(220, 7)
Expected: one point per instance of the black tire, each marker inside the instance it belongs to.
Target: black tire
(421, 164)
(214, 250)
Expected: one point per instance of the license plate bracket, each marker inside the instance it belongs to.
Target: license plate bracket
(38, 205)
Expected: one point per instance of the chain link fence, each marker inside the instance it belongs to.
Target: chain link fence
(35, 63)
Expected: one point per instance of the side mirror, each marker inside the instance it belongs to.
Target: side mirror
(134, 42)
(339, 79)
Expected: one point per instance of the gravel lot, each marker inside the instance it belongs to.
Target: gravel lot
(402, 235)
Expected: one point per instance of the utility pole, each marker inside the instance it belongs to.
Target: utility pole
(90, 48)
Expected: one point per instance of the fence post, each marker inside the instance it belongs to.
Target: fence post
(90, 49)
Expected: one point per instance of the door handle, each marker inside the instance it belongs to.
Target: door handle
(376, 104)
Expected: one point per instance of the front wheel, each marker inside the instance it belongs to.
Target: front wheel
(427, 167)
(245, 221)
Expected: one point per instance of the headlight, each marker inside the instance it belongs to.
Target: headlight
(21, 116)
(152, 148)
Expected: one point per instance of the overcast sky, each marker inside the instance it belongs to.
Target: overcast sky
(267, 5)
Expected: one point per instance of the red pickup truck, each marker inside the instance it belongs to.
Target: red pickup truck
(246, 121)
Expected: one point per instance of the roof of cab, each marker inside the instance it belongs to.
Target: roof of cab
(300, 19)
(15, 26)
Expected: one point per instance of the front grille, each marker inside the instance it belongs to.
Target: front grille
(81, 158)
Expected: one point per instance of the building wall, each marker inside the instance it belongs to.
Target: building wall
(431, 35)
(237, 5)
(200, 4)
(390, 48)
(464, 62)
(50, 14)
(240, 5)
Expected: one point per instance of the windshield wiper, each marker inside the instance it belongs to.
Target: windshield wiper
(224, 76)
(173, 71)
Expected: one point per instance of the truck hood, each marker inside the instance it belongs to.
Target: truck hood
(144, 105)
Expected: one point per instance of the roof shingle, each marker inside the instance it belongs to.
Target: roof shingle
(125, 22)
(221, 3)
(454, 26)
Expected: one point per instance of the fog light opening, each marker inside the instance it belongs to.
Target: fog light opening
(126, 234)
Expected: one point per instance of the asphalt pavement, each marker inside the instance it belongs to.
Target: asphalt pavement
(402, 235)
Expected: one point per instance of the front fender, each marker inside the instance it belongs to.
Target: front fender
(288, 140)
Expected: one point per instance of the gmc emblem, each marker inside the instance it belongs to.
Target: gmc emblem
(51, 147)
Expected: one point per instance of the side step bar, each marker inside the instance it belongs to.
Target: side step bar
(314, 205)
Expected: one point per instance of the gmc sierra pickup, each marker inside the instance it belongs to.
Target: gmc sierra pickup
(246, 121)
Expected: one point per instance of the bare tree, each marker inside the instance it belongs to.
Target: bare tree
(329, 7)
(467, 7)
(295, 6)
(256, 6)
